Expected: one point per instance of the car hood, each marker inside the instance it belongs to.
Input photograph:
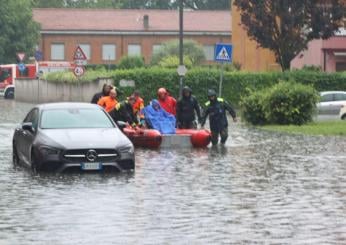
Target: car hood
(86, 138)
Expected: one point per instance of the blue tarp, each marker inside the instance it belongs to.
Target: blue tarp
(157, 118)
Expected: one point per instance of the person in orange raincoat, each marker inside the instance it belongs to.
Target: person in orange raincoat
(108, 102)
(167, 102)
(138, 107)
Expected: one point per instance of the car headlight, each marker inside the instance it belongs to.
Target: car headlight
(49, 151)
(127, 149)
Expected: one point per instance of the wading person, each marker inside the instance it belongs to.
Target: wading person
(108, 102)
(167, 102)
(216, 109)
(105, 92)
(123, 111)
(186, 108)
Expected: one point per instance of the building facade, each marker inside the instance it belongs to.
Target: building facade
(329, 55)
(247, 52)
(107, 35)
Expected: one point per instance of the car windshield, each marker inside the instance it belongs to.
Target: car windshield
(74, 118)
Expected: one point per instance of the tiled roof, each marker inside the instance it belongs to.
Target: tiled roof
(64, 19)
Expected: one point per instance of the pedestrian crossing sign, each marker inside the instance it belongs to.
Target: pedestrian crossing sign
(223, 52)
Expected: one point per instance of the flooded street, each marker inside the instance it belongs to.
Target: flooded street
(261, 188)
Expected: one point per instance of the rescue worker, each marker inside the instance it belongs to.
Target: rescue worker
(123, 111)
(138, 106)
(216, 109)
(105, 92)
(108, 102)
(167, 102)
(186, 107)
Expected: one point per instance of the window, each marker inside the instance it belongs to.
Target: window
(109, 52)
(134, 50)
(156, 48)
(57, 51)
(209, 51)
(340, 96)
(327, 97)
(32, 117)
(75, 118)
(86, 50)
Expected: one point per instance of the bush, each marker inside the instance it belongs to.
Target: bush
(173, 62)
(252, 108)
(171, 48)
(131, 62)
(235, 84)
(284, 103)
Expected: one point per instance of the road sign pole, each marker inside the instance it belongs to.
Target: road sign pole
(181, 43)
(221, 79)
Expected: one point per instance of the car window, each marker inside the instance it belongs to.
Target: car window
(32, 117)
(339, 97)
(75, 118)
(327, 97)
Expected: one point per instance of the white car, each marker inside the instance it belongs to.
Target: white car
(331, 102)
(342, 113)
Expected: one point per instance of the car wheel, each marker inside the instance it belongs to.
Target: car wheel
(9, 94)
(343, 117)
(15, 158)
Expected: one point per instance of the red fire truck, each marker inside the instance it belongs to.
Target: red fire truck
(10, 72)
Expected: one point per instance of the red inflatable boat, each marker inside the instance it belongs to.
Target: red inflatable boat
(199, 137)
(149, 138)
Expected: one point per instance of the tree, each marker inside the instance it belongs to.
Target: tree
(19, 32)
(192, 50)
(286, 26)
(48, 3)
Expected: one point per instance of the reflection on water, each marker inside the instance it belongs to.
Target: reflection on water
(262, 187)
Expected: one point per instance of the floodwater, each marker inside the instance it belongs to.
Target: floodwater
(261, 188)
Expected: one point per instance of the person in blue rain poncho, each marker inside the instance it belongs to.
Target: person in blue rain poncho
(157, 118)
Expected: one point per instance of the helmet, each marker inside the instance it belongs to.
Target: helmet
(187, 89)
(211, 92)
(161, 91)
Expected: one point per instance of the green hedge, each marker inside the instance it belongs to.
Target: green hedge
(284, 103)
(235, 85)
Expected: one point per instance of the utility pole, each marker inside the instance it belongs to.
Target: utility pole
(181, 44)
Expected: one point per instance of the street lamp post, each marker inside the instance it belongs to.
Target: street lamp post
(181, 44)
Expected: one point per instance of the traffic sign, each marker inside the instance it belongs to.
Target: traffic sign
(181, 70)
(38, 55)
(80, 62)
(223, 52)
(20, 56)
(79, 54)
(78, 71)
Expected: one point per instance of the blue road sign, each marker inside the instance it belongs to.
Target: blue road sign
(21, 67)
(223, 52)
(38, 55)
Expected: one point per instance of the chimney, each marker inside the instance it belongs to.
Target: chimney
(146, 21)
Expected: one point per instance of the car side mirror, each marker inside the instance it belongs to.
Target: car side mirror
(28, 126)
(121, 124)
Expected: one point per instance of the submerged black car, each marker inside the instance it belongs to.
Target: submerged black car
(70, 136)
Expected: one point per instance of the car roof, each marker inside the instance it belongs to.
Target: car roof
(67, 105)
(332, 92)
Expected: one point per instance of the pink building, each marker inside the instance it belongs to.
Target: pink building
(328, 54)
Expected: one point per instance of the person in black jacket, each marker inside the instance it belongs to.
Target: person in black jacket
(123, 111)
(186, 107)
(216, 109)
(105, 92)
